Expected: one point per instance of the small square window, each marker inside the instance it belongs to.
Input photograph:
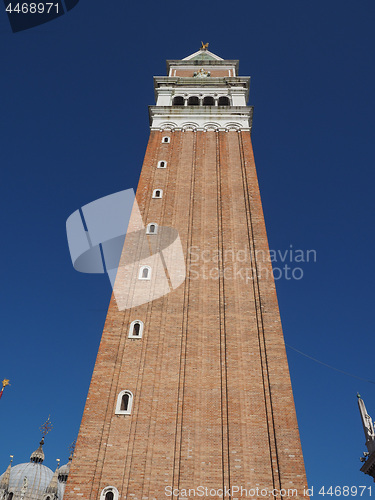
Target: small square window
(152, 228)
(158, 193)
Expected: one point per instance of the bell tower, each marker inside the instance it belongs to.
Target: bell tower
(191, 392)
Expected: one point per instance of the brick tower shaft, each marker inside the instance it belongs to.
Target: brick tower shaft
(191, 387)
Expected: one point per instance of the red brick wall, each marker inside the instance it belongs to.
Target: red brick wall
(213, 404)
(190, 72)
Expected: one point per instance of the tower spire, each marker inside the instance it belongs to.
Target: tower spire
(4, 484)
(52, 488)
(38, 455)
(368, 458)
(368, 426)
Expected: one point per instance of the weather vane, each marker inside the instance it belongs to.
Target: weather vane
(204, 46)
(46, 427)
(72, 447)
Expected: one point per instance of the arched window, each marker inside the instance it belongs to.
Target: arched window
(162, 164)
(193, 101)
(10, 496)
(208, 101)
(152, 228)
(166, 140)
(224, 101)
(144, 273)
(158, 193)
(136, 329)
(109, 493)
(124, 403)
(178, 100)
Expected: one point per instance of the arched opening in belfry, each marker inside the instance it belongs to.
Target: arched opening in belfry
(208, 101)
(109, 495)
(178, 100)
(193, 100)
(224, 101)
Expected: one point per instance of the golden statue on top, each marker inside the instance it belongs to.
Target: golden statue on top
(204, 46)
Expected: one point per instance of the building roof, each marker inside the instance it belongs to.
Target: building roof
(203, 55)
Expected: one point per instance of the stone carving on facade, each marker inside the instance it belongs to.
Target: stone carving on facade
(167, 126)
(24, 488)
(189, 126)
(202, 126)
(211, 126)
(202, 73)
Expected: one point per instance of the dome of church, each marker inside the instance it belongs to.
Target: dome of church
(33, 480)
(64, 473)
(64, 469)
(38, 479)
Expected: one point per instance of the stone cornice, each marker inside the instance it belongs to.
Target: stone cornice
(198, 62)
(214, 81)
(201, 117)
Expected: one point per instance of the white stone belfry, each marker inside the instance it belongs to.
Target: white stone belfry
(201, 92)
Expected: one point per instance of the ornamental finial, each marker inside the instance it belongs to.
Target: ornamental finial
(72, 448)
(4, 483)
(38, 455)
(5, 382)
(204, 46)
(46, 427)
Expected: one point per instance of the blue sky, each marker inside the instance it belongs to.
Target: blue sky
(74, 127)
